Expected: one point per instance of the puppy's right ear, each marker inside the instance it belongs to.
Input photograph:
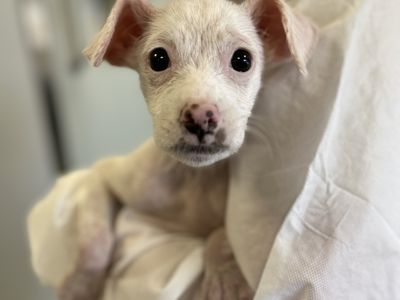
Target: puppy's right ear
(125, 25)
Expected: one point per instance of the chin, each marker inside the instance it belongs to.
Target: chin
(199, 155)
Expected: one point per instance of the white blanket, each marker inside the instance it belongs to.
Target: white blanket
(314, 211)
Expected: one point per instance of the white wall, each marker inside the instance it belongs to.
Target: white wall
(25, 160)
(104, 114)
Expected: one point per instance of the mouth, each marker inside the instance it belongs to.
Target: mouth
(199, 155)
(187, 149)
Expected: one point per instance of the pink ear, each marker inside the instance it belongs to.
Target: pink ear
(285, 32)
(124, 26)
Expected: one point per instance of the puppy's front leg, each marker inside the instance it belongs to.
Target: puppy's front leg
(71, 235)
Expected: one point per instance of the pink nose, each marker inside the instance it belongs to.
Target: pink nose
(200, 119)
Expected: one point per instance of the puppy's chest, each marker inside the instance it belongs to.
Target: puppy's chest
(192, 201)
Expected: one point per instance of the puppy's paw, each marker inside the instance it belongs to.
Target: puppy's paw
(82, 285)
(222, 279)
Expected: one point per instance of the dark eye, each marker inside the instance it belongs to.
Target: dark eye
(241, 60)
(159, 60)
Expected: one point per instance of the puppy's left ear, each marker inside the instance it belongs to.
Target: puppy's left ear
(286, 32)
(124, 27)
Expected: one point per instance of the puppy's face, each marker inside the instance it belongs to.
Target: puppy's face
(200, 64)
(200, 70)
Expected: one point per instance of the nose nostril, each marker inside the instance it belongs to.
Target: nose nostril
(188, 116)
(210, 114)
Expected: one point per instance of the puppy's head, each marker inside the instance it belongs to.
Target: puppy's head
(200, 63)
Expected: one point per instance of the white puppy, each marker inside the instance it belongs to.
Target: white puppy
(200, 64)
